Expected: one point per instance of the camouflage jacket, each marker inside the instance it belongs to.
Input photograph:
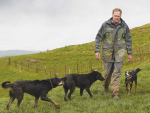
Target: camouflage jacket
(116, 40)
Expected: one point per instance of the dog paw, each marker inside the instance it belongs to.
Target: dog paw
(57, 106)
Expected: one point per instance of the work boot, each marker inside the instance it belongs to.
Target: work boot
(116, 97)
(105, 90)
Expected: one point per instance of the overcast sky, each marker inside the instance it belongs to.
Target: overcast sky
(49, 24)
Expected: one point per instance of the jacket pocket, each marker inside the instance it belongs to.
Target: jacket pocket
(121, 52)
(107, 52)
(108, 35)
(121, 36)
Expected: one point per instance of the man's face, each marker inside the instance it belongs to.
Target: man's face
(116, 17)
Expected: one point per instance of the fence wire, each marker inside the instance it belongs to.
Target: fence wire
(138, 54)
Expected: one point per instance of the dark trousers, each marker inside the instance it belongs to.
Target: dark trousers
(112, 72)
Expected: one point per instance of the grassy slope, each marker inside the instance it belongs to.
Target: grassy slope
(136, 102)
(82, 53)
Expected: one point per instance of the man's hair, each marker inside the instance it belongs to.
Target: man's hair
(117, 9)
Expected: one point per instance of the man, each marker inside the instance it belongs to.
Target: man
(116, 39)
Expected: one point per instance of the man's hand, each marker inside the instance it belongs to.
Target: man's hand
(97, 56)
(129, 58)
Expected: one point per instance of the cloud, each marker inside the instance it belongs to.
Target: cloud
(50, 24)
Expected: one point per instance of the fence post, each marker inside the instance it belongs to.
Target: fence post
(77, 68)
(83, 67)
(62, 70)
(15, 64)
(148, 50)
(125, 59)
(9, 60)
(73, 68)
(45, 70)
(142, 56)
(50, 73)
(28, 66)
(145, 53)
(91, 65)
(36, 68)
(59, 71)
(21, 65)
(139, 53)
(133, 55)
(65, 70)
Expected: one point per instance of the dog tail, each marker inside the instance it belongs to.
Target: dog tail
(137, 70)
(5, 85)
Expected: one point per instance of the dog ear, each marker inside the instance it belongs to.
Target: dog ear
(55, 75)
(65, 78)
(54, 81)
(92, 70)
(132, 73)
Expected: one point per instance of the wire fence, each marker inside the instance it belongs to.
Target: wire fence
(138, 54)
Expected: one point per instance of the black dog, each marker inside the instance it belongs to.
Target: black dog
(37, 88)
(131, 76)
(83, 81)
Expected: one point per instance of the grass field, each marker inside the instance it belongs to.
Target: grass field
(135, 102)
(138, 102)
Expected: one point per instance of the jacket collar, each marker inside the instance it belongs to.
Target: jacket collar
(121, 22)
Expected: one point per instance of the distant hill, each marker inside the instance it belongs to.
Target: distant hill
(16, 53)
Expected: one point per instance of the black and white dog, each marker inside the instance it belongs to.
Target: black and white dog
(131, 76)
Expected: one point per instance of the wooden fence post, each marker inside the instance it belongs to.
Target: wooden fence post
(21, 65)
(45, 70)
(125, 59)
(77, 68)
(139, 53)
(145, 53)
(36, 68)
(9, 60)
(90, 65)
(62, 71)
(59, 71)
(83, 67)
(15, 64)
(148, 50)
(65, 70)
(50, 73)
(133, 55)
(69, 71)
(142, 56)
(98, 65)
(28, 66)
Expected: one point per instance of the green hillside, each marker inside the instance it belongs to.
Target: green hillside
(81, 54)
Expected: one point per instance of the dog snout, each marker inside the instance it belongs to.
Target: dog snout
(61, 83)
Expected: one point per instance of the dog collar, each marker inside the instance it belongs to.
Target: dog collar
(51, 84)
(129, 77)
